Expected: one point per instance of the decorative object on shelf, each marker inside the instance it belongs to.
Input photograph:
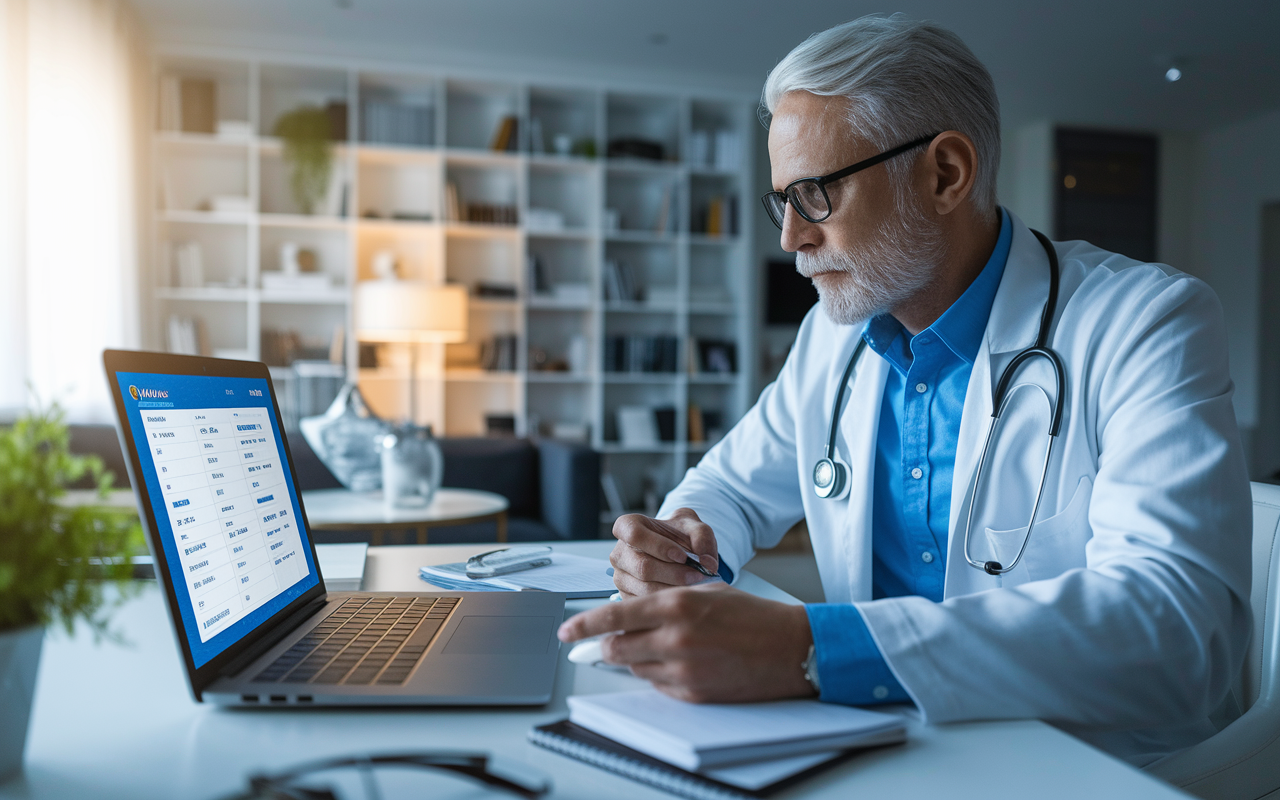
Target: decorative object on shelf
(410, 312)
(237, 129)
(346, 438)
(543, 219)
(412, 466)
(576, 354)
(385, 265)
(227, 204)
(306, 133)
(497, 291)
(59, 563)
(295, 259)
(280, 348)
(717, 357)
(188, 265)
(637, 426)
(633, 147)
(500, 426)
(563, 144)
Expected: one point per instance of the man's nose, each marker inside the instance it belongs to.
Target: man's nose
(798, 231)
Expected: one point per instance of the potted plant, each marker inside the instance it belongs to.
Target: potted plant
(59, 563)
(305, 132)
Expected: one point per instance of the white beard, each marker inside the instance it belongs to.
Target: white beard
(898, 262)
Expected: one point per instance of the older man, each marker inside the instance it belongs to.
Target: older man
(1122, 613)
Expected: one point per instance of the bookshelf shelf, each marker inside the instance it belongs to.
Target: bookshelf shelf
(211, 295)
(302, 221)
(589, 185)
(204, 217)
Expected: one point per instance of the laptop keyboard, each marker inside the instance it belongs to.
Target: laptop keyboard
(367, 640)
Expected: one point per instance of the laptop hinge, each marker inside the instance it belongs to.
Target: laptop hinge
(277, 633)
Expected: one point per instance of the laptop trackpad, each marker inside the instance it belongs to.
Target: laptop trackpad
(477, 635)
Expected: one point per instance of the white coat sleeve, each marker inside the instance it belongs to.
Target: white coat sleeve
(747, 487)
(1153, 629)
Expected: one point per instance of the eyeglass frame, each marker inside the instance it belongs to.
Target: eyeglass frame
(472, 765)
(822, 181)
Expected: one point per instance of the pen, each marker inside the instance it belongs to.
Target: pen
(691, 560)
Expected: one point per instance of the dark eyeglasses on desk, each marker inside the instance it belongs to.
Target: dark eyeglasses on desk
(375, 777)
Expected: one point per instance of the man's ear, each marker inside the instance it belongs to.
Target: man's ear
(950, 167)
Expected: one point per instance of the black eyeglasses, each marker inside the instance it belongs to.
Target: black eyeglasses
(808, 196)
(377, 776)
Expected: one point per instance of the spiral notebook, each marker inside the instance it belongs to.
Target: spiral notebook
(744, 782)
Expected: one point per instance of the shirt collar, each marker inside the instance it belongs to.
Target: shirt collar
(962, 325)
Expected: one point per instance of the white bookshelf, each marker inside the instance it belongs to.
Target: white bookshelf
(390, 192)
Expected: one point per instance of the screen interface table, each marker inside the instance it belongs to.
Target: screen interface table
(225, 508)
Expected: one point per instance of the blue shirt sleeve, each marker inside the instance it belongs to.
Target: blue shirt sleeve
(851, 669)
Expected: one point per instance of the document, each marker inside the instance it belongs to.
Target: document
(576, 576)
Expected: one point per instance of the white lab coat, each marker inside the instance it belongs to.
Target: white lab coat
(1127, 620)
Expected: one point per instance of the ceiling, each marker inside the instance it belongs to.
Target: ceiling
(1089, 62)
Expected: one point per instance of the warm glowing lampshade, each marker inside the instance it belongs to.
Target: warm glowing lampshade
(410, 311)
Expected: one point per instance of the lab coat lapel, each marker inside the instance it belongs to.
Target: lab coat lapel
(1012, 326)
(859, 426)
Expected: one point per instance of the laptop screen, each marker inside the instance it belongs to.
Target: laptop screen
(225, 505)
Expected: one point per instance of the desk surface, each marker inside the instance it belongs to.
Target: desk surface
(117, 721)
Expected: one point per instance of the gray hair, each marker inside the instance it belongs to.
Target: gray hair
(904, 79)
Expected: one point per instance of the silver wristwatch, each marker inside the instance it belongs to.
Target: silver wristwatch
(810, 667)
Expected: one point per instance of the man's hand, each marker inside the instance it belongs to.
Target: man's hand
(650, 553)
(704, 644)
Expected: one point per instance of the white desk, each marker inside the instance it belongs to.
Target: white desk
(118, 722)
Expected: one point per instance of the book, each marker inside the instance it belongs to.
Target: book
(761, 779)
(199, 105)
(504, 138)
(698, 736)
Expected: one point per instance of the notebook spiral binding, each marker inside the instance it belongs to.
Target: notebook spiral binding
(668, 779)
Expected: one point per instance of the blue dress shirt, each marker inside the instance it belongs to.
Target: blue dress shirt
(911, 498)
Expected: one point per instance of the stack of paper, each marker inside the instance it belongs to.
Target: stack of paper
(576, 576)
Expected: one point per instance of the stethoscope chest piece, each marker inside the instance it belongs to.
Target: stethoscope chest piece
(829, 478)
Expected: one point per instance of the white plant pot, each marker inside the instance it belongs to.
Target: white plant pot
(19, 658)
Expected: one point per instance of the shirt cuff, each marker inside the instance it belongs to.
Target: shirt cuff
(725, 573)
(851, 669)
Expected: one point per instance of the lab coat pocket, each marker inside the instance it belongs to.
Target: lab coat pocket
(1056, 544)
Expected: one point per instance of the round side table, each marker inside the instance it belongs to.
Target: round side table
(341, 509)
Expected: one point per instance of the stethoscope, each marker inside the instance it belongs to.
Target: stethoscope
(830, 477)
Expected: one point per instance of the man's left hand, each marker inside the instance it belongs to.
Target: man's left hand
(704, 644)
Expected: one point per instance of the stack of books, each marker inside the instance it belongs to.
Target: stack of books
(713, 750)
(641, 353)
(386, 122)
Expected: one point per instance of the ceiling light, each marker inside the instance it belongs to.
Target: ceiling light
(1173, 74)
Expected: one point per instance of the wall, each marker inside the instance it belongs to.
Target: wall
(1237, 173)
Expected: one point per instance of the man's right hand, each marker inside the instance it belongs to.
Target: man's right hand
(650, 553)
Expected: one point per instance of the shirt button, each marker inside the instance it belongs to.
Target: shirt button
(926, 557)
(921, 388)
(880, 692)
(917, 473)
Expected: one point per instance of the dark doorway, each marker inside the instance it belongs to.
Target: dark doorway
(1106, 190)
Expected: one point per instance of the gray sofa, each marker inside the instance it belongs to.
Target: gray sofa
(553, 486)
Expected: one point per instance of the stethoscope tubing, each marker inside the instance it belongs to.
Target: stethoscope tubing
(1000, 398)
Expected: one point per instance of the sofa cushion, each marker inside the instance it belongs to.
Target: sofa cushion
(508, 467)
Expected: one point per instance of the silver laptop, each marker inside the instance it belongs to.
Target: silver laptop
(228, 532)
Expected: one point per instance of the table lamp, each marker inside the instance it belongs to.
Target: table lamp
(412, 312)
